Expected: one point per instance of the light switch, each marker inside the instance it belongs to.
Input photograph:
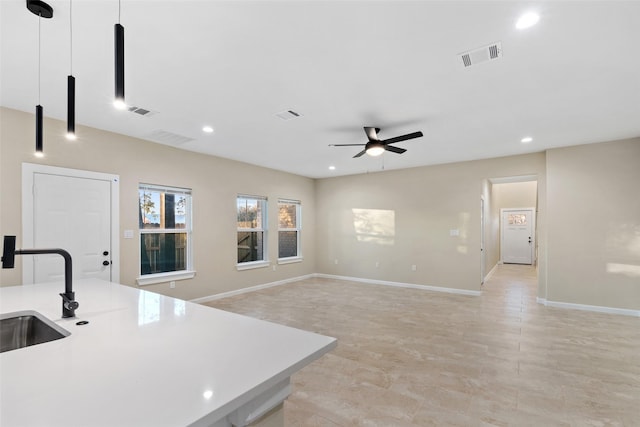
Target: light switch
(454, 232)
(128, 234)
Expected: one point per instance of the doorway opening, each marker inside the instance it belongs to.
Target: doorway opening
(507, 195)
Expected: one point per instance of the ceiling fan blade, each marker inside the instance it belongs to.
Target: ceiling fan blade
(346, 145)
(402, 138)
(360, 154)
(394, 149)
(372, 133)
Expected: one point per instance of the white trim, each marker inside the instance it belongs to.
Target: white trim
(493, 270)
(584, 307)
(252, 264)
(290, 260)
(401, 285)
(28, 171)
(250, 289)
(150, 279)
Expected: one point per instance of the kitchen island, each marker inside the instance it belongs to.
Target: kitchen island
(145, 359)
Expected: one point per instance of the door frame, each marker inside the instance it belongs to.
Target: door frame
(28, 172)
(534, 260)
(483, 258)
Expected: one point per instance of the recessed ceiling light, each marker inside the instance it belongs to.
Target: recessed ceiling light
(527, 20)
(207, 129)
(332, 168)
(526, 140)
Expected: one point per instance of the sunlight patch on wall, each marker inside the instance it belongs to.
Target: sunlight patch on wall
(628, 270)
(623, 240)
(463, 226)
(374, 225)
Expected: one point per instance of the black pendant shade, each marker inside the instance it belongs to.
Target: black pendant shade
(39, 143)
(71, 107)
(119, 61)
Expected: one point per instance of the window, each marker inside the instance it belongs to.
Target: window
(289, 230)
(165, 233)
(252, 231)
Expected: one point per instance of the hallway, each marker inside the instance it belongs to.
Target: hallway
(408, 357)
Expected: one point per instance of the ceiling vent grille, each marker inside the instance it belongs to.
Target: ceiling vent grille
(168, 138)
(142, 111)
(483, 54)
(288, 115)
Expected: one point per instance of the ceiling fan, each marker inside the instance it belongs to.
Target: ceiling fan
(377, 146)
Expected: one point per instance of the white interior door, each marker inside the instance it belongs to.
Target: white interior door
(517, 236)
(72, 211)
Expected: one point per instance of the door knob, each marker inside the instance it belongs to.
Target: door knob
(105, 253)
(105, 263)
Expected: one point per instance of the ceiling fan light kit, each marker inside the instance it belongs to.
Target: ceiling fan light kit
(374, 149)
(375, 146)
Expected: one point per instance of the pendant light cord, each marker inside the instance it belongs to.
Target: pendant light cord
(119, 7)
(70, 38)
(39, 38)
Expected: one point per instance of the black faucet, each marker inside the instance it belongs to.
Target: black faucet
(9, 252)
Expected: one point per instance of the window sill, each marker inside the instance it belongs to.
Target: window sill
(290, 260)
(150, 279)
(252, 265)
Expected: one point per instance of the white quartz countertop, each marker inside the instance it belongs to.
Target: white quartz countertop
(143, 360)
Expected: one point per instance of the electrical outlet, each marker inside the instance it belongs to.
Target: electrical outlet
(335, 261)
(377, 264)
(274, 268)
(172, 284)
(414, 267)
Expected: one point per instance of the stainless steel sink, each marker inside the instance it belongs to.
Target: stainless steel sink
(24, 328)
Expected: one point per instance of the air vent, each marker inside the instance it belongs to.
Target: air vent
(483, 54)
(168, 138)
(142, 111)
(288, 115)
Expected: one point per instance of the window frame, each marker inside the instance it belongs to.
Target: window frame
(188, 272)
(262, 228)
(298, 229)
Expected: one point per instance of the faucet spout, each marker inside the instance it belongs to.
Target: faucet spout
(69, 305)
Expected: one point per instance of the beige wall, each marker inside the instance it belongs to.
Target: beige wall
(514, 195)
(593, 197)
(215, 183)
(589, 237)
(425, 204)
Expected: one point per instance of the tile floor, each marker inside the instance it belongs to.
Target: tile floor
(408, 357)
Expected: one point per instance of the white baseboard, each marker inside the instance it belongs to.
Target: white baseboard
(400, 284)
(490, 273)
(250, 289)
(584, 307)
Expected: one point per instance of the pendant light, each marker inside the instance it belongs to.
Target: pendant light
(71, 84)
(119, 62)
(42, 10)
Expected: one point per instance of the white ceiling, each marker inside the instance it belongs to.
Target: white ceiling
(572, 79)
